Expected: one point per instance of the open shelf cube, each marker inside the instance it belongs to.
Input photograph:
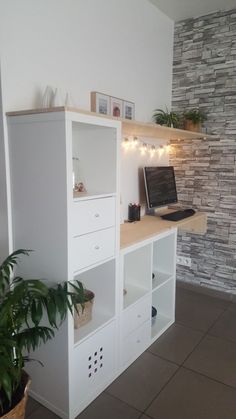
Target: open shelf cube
(100, 280)
(91, 146)
(137, 274)
(163, 299)
(163, 260)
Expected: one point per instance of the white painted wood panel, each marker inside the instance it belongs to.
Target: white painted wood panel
(93, 215)
(93, 248)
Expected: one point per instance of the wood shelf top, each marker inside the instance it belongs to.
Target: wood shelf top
(129, 127)
(150, 226)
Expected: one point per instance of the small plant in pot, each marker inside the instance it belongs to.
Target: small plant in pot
(22, 305)
(193, 119)
(166, 118)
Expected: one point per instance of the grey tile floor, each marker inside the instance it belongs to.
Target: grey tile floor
(189, 373)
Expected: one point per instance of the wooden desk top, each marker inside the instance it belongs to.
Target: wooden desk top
(150, 226)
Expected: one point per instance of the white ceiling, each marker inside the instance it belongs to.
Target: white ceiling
(183, 9)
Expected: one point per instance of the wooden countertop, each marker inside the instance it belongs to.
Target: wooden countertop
(150, 226)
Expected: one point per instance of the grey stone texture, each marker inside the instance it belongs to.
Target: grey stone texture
(204, 76)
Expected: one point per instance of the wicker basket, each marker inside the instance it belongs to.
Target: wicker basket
(18, 412)
(83, 314)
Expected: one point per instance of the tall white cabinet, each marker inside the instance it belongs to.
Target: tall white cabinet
(77, 236)
(73, 236)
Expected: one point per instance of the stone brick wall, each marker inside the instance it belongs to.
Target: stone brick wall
(204, 76)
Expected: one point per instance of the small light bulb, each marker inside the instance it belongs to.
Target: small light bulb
(152, 151)
(143, 148)
(161, 150)
(126, 143)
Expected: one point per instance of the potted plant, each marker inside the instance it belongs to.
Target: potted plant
(22, 304)
(167, 118)
(193, 119)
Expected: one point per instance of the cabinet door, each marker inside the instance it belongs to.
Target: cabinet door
(93, 248)
(136, 343)
(93, 215)
(135, 316)
(93, 365)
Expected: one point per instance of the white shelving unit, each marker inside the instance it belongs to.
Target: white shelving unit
(74, 236)
(148, 276)
(77, 236)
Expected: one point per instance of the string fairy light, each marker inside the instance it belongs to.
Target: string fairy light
(134, 143)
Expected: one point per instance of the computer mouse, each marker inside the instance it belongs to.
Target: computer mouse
(190, 211)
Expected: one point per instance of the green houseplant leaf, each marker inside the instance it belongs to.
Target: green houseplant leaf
(22, 305)
(167, 118)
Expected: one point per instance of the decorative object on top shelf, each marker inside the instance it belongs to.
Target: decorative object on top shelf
(193, 119)
(23, 304)
(128, 110)
(109, 105)
(100, 103)
(47, 97)
(167, 118)
(133, 143)
(54, 97)
(83, 312)
(116, 107)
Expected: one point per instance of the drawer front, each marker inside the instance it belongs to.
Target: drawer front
(136, 343)
(93, 365)
(136, 315)
(93, 215)
(93, 248)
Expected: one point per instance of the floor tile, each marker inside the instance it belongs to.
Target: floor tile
(31, 406)
(182, 293)
(42, 413)
(142, 381)
(106, 407)
(176, 343)
(191, 396)
(197, 310)
(225, 327)
(215, 358)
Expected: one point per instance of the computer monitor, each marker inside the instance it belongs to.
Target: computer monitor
(160, 186)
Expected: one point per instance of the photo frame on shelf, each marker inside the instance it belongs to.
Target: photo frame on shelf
(116, 107)
(128, 110)
(100, 103)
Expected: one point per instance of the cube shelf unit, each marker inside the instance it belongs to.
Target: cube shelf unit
(139, 262)
(74, 236)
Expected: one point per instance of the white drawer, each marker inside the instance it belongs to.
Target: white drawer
(93, 215)
(136, 343)
(93, 248)
(136, 315)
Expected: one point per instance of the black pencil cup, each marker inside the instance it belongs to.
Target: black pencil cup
(134, 212)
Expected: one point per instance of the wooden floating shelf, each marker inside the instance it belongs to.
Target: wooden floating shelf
(129, 128)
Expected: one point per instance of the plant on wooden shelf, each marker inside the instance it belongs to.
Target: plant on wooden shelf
(166, 118)
(193, 119)
(83, 314)
(22, 305)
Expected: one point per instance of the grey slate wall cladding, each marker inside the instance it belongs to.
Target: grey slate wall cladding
(204, 76)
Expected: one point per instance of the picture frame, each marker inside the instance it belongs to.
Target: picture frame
(128, 110)
(116, 107)
(100, 103)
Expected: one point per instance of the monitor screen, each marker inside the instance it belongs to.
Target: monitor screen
(160, 186)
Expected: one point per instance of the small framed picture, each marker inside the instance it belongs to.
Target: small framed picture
(100, 103)
(116, 107)
(128, 110)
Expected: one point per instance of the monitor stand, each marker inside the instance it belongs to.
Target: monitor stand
(158, 212)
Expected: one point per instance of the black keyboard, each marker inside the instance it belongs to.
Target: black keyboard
(178, 215)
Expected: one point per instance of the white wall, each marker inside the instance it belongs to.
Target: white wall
(123, 48)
